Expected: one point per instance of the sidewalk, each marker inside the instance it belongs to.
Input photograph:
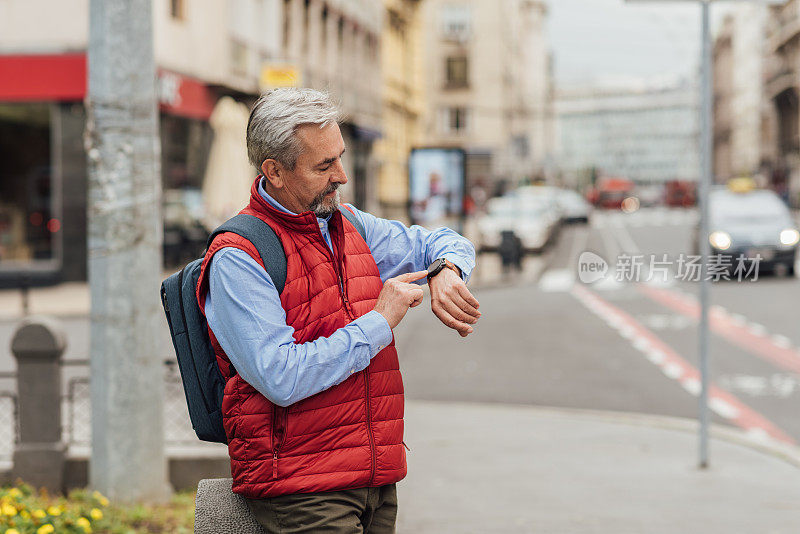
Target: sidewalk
(477, 468)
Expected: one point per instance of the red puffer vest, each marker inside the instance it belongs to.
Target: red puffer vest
(348, 436)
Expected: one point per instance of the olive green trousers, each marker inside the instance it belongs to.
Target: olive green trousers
(355, 511)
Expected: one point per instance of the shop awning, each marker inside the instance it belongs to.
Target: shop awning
(37, 78)
(63, 78)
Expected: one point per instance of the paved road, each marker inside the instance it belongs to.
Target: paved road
(619, 346)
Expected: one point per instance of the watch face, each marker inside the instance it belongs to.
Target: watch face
(436, 266)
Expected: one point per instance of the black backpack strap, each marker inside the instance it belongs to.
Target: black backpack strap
(350, 216)
(263, 237)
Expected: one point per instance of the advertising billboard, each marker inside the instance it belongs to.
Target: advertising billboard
(436, 186)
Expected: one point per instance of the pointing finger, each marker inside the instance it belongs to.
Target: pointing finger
(411, 277)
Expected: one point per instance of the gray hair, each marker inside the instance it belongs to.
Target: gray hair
(275, 118)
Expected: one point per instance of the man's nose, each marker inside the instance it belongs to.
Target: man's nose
(339, 176)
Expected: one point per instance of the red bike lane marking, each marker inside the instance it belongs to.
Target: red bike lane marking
(677, 368)
(724, 326)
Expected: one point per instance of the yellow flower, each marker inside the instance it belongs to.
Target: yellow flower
(54, 511)
(84, 524)
(39, 513)
(96, 514)
(100, 498)
(25, 514)
(47, 528)
(12, 531)
(9, 510)
(14, 492)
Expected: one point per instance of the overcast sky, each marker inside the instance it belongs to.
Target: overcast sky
(605, 41)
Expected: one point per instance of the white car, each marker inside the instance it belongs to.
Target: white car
(532, 219)
(574, 207)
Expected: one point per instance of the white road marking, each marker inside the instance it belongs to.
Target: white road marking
(739, 319)
(692, 386)
(757, 329)
(782, 341)
(656, 356)
(557, 280)
(672, 370)
(722, 408)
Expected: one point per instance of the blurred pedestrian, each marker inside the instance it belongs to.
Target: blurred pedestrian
(313, 404)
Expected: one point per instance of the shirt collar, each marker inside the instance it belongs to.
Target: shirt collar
(277, 205)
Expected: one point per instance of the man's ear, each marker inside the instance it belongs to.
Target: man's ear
(273, 172)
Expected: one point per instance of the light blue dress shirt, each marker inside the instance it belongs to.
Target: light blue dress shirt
(244, 310)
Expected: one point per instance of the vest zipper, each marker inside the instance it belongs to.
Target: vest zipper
(337, 270)
(373, 452)
(347, 310)
(278, 435)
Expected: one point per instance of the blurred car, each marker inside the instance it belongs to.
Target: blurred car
(531, 218)
(649, 195)
(680, 194)
(574, 207)
(749, 222)
(609, 193)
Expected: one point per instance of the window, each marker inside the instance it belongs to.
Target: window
(457, 73)
(239, 57)
(177, 8)
(456, 23)
(29, 217)
(455, 120)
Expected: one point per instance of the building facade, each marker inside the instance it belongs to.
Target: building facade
(402, 81)
(781, 106)
(488, 87)
(205, 50)
(739, 93)
(643, 134)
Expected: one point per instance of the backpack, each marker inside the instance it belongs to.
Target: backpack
(203, 383)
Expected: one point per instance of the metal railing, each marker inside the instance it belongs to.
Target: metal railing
(76, 411)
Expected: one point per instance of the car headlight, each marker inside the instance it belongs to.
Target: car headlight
(790, 237)
(720, 240)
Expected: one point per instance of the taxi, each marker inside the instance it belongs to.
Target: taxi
(752, 222)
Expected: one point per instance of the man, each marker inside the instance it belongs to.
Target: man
(313, 404)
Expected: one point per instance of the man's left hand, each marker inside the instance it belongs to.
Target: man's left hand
(452, 302)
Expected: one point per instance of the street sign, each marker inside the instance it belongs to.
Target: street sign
(277, 75)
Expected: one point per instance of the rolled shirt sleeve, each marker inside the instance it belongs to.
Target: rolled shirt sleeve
(399, 249)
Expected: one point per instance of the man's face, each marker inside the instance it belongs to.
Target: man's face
(318, 173)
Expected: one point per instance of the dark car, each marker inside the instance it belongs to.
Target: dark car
(752, 223)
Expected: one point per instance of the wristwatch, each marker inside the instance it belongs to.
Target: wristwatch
(437, 266)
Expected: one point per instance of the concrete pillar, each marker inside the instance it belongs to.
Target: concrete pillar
(37, 345)
(128, 461)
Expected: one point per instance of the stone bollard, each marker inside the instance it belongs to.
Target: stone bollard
(218, 509)
(39, 452)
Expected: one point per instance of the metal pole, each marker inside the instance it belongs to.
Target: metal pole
(705, 246)
(128, 462)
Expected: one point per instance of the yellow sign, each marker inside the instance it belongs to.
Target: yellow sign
(283, 75)
(743, 184)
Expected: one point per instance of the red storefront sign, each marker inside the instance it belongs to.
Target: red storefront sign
(63, 78)
(42, 78)
(184, 97)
